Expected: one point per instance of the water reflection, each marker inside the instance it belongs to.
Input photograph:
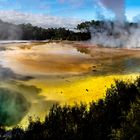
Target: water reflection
(49, 73)
(112, 61)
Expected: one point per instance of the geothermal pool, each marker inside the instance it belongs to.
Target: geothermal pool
(46, 73)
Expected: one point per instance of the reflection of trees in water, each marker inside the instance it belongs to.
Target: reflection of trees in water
(123, 66)
(109, 65)
(133, 64)
(83, 50)
(119, 65)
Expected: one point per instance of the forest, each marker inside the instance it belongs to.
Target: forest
(10, 31)
(115, 117)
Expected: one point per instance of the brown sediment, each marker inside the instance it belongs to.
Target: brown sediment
(62, 58)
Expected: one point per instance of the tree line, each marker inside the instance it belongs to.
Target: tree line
(116, 117)
(10, 31)
(100, 24)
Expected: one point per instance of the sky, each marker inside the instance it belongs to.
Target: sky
(60, 13)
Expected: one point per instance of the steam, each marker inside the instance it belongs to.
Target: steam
(116, 33)
(111, 34)
(117, 7)
(9, 31)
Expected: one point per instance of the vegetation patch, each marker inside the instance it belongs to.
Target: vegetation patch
(114, 117)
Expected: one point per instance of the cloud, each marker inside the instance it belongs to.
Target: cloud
(41, 20)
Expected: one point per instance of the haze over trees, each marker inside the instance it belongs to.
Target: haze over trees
(103, 24)
(83, 31)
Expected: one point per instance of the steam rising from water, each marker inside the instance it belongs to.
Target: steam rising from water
(117, 7)
(120, 34)
(117, 33)
(9, 31)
